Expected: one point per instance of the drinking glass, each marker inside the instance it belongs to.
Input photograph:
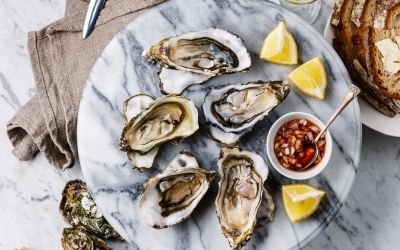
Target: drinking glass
(308, 11)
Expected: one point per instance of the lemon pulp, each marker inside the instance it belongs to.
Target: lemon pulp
(310, 78)
(280, 46)
(301, 200)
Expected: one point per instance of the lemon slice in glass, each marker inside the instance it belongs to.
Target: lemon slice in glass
(301, 200)
(310, 78)
(279, 46)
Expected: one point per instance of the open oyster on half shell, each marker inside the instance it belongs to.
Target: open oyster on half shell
(133, 107)
(240, 193)
(171, 196)
(76, 239)
(79, 209)
(149, 123)
(195, 57)
(232, 110)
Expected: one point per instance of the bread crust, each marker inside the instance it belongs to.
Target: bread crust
(335, 19)
(392, 20)
(362, 33)
(356, 12)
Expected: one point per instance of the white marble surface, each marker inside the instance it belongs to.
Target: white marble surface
(115, 185)
(30, 191)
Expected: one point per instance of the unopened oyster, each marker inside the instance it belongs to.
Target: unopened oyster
(76, 239)
(153, 122)
(79, 210)
(232, 110)
(240, 193)
(195, 57)
(171, 196)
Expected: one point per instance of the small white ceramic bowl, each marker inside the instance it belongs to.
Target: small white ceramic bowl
(307, 174)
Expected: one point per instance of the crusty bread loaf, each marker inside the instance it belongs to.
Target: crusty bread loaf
(388, 82)
(374, 11)
(352, 15)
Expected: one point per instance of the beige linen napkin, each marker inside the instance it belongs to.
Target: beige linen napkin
(61, 62)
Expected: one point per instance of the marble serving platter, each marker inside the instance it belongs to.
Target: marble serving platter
(121, 72)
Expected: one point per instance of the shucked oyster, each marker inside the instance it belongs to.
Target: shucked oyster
(232, 110)
(132, 108)
(171, 196)
(195, 57)
(150, 123)
(240, 193)
(78, 208)
(76, 239)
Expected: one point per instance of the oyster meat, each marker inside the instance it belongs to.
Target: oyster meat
(171, 196)
(195, 57)
(232, 110)
(151, 123)
(240, 193)
(78, 208)
(76, 239)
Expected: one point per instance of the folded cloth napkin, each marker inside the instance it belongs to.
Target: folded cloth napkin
(61, 62)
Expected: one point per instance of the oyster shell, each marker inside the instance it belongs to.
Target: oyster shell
(240, 193)
(169, 118)
(174, 81)
(76, 239)
(232, 110)
(135, 105)
(171, 196)
(266, 210)
(132, 108)
(195, 57)
(79, 210)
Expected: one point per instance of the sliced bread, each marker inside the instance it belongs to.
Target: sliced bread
(373, 12)
(385, 57)
(374, 15)
(361, 41)
(356, 12)
(345, 32)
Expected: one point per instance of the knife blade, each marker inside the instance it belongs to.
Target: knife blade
(95, 6)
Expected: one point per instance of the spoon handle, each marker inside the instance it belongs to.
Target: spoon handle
(352, 93)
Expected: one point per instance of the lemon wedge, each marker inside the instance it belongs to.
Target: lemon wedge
(310, 78)
(301, 200)
(279, 46)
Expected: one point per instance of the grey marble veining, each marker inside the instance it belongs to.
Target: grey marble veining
(30, 191)
(116, 186)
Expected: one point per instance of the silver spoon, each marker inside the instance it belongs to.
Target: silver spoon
(352, 93)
